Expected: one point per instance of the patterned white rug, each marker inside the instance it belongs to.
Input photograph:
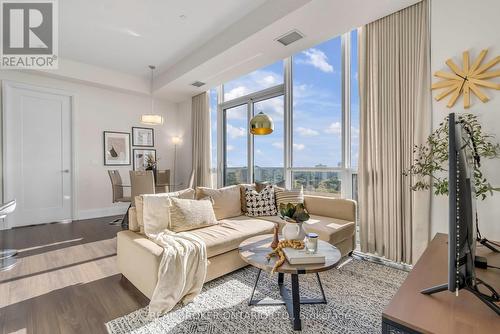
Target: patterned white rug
(357, 293)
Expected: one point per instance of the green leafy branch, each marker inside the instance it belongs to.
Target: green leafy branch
(431, 158)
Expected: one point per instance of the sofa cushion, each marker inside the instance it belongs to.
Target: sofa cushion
(133, 223)
(260, 203)
(243, 187)
(226, 200)
(229, 233)
(331, 207)
(288, 196)
(328, 229)
(185, 193)
(189, 214)
(258, 186)
(273, 219)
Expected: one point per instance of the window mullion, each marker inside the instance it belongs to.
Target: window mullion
(346, 115)
(288, 122)
(250, 178)
(220, 138)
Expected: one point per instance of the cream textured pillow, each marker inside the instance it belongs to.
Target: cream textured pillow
(288, 196)
(185, 193)
(227, 202)
(188, 214)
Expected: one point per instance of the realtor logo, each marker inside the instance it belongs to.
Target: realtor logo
(29, 34)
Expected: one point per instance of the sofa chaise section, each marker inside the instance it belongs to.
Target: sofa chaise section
(139, 258)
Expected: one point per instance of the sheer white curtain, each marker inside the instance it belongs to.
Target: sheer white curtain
(201, 140)
(395, 116)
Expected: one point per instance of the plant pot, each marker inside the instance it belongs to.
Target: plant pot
(154, 172)
(293, 231)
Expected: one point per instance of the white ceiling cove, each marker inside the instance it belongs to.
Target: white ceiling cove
(127, 35)
(111, 42)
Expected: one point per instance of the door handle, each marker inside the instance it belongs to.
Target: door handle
(65, 171)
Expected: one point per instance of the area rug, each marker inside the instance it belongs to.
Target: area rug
(357, 293)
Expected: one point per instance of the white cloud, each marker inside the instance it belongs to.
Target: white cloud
(236, 92)
(252, 82)
(307, 132)
(318, 59)
(229, 148)
(277, 144)
(334, 128)
(268, 81)
(235, 132)
(272, 107)
(299, 147)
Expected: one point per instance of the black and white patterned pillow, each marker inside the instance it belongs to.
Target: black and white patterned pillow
(260, 203)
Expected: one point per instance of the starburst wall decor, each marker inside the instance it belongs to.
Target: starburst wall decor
(469, 78)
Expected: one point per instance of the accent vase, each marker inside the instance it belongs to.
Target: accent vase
(293, 231)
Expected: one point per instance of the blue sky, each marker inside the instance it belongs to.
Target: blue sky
(316, 113)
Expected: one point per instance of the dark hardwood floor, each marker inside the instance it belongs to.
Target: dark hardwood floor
(66, 279)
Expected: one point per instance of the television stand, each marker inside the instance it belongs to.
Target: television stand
(410, 311)
(489, 301)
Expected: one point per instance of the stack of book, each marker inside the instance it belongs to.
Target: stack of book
(300, 256)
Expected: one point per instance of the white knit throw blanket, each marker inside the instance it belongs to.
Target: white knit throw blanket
(183, 267)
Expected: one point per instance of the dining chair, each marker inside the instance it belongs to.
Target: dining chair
(8, 257)
(118, 193)
(163, 180)
(142, 182)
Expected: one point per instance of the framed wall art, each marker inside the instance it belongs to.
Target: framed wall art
(116, 148)
(143, 137)
(143, 158)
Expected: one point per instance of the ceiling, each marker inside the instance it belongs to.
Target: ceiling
(111, 42)
(127, 35)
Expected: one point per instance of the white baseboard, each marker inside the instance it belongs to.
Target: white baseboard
(101, 212)
(117, 210)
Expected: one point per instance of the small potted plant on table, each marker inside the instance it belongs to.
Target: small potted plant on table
(295, 215)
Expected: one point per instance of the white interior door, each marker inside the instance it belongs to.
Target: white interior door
(37, 154)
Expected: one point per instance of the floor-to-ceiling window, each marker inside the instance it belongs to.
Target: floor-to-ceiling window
(248, 158)
(268, 151)
(213, 138)
(354, 106)
(315, 140)
(235, 145)
(317, 159)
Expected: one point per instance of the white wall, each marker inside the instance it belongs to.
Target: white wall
(99, 109)
(458, 25)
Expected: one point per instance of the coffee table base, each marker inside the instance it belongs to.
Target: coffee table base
(293, 301)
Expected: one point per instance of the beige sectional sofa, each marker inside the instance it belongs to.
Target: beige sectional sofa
(138, 257)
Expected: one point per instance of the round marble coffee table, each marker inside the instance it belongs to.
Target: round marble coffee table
(254, 252)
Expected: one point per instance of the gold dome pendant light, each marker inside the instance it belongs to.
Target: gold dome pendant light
(261, 124)
(152, 118)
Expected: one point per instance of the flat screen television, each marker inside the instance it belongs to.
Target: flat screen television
(462, 216)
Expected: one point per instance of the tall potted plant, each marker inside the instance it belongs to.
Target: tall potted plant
(431, 159)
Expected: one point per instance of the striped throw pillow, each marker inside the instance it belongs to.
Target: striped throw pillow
(288, 196)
